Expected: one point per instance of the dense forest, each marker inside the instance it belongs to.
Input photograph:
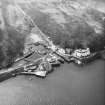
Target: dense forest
(11, 46)
(11, 41)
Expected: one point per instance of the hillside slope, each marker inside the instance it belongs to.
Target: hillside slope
(70, 24)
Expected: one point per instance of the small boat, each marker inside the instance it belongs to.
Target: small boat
(37, 73)
(40, 73)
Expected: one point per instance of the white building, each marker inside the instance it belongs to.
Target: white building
(81, 53)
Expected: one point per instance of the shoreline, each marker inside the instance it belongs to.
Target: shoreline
(50, 60)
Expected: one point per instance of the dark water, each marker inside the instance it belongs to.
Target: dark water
(67, 85)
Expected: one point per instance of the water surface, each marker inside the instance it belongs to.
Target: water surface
(67, 85)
